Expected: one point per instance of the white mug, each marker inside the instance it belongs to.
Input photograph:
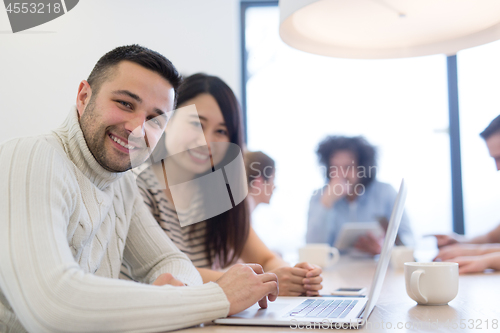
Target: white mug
(431, 283)
(322, 255)
(400, 255)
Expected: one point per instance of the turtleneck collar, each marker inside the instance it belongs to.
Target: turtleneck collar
(71, 136)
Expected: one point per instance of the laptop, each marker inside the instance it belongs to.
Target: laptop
(334, 311)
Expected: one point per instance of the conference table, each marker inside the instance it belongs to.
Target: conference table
(476, 307)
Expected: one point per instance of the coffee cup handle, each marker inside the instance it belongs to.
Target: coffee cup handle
(415, 288)
(335, 256)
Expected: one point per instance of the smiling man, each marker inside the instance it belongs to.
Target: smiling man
(122, 112)
(70, 213)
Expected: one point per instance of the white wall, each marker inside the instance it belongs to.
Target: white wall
(40, 69)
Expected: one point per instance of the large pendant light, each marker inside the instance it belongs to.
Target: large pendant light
(377, 29)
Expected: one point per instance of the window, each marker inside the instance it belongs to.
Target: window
(479, 87)
(295, 99)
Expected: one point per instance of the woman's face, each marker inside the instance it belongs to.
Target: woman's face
(191, 135)
(344, 165)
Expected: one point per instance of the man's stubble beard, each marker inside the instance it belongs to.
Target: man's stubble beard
(95, 137)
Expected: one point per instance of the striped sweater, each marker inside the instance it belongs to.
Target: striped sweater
(192, 243)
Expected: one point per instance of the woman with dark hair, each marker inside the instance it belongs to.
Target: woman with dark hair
(219, 241)
(351, 194)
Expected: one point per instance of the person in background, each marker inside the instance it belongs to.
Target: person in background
(481, 252)
(260, 169)
(351, 194)
(219, 241)
(70, 213)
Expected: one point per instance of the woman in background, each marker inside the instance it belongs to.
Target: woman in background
(352, 194)
(221, 240)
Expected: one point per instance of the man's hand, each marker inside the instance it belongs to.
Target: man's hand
(445, 240)
(472, 264)
(459, 250)
(369, 243)
(303, 279)
(246, 284)
(167, 278)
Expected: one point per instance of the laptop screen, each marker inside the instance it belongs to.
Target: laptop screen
(385, 255)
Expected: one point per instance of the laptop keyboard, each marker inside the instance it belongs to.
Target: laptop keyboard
(322, 309)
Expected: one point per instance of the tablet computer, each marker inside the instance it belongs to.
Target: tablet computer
(351, 231)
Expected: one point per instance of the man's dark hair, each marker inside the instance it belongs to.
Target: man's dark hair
(364, 152)
(140, 55)
(493, 127)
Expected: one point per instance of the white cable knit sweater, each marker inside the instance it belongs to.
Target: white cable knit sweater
(65, 226)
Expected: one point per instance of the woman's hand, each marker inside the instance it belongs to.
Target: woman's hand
(336, 189)
(303, 279)
(313, 279)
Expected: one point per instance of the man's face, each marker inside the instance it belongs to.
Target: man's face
(493, 144)
(127, 115)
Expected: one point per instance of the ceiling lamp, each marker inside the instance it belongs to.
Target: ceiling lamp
(377, 29)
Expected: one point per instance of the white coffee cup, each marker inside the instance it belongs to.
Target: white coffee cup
(431, 283)
(400, 255)
(322, 255)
